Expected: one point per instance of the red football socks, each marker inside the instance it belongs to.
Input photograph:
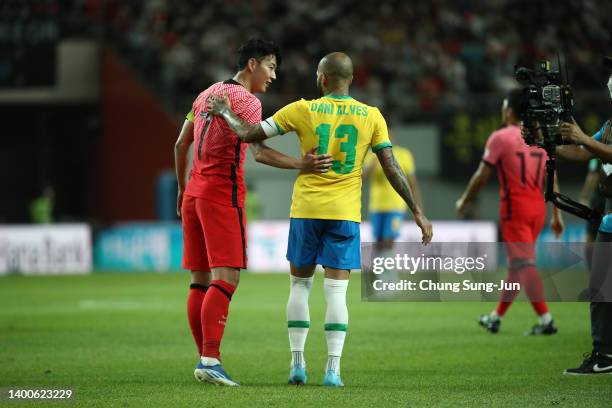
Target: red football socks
(194, 311)
(531, 282)
(214, 316)
(508, 296)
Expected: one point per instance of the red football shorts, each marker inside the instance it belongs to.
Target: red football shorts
(214, 235)
(520, 235)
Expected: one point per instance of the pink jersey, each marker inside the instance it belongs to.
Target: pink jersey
(218, 155)
(521, 172)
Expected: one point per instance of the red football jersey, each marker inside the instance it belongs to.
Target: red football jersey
(521, 172)
(218, 155)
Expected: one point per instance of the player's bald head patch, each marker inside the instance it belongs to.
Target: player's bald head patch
(337, 65)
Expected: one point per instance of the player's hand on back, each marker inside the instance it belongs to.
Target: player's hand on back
(316, 163)
(425, 226)
(216, 104)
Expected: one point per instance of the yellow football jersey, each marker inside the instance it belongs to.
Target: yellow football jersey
(383, 197)
(344, 128)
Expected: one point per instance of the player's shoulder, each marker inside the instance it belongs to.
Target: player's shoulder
(203, 95)
(505, 134)
(239, 97)
(374, 114)
(237, 92)
(247, 98)
(369, 108)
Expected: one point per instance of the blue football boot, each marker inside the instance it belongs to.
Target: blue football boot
(332, 379)
(297, 375)
(214, 374)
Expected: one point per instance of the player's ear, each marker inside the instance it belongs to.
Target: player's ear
(252, 64)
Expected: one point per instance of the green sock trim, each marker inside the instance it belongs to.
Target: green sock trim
(298, 323)
(335, 327)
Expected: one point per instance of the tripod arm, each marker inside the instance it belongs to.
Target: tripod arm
(563, 202)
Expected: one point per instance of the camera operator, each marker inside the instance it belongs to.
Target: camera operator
(590, 196)
(582, 148)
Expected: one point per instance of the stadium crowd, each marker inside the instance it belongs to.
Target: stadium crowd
(409, 56)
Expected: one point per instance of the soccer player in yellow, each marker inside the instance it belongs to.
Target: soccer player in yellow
(326, 207)
(387, 208)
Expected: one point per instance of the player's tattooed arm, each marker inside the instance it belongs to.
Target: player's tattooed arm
(310, 163)
(416, 190)
(398, 181)
(396, 177)
(247, 132)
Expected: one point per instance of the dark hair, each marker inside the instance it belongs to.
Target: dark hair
(258, 49)
(515, 102)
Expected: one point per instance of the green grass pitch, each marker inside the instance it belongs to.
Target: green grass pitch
(122, 340)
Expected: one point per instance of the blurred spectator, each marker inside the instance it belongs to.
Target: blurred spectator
(41, 209)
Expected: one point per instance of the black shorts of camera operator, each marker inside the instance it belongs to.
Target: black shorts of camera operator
(583, 148)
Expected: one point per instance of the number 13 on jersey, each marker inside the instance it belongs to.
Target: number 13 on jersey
(348, 135)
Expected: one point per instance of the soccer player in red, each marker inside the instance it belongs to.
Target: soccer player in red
(211, 204)
(521, 172)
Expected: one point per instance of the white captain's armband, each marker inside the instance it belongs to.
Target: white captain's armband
(269, 127)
